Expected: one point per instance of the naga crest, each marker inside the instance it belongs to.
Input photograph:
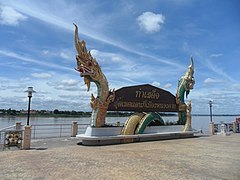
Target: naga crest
(86, 64)
(189, 78)
(185, 84)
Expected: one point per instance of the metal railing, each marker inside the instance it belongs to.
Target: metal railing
(8, 128)
(50, 130)
(47, 130)
(55, 130)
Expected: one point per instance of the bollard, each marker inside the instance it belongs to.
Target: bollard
(224, 129)
(211, 128)
(74, 129)
(234, 127)
(18, 125)
(27, 137)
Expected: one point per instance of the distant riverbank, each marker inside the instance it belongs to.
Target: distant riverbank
(58, 113)
(108, 115)
(66, 115)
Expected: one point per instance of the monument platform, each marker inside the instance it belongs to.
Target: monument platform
(123, 139)
(112, 135)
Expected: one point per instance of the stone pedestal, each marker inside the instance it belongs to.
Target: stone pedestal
(234, 127)
(223, 129)
(27, 137)
(211, 128)
(74, 129)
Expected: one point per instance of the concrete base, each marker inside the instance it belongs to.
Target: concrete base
(111, 135)
(122, 139)
(103, 131)
(163, 129)
(116, 131)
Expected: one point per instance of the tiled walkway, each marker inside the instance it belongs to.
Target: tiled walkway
(213, 157)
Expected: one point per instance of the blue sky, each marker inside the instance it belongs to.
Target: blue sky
(135, 42)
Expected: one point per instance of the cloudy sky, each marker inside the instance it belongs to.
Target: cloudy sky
(135, 42)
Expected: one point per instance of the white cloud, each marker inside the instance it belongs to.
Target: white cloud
(41, 75)
(45, 52)
(116, 58)
(219, 71)
(30, 60)
(216, 55)
(10, 16)
(157, 84)
(65, 55)
(105, 56)
(236, 86)
(66, 84)
(150, 22)
(25, 79)
(210, 80)
(168, 85)
(69, 82)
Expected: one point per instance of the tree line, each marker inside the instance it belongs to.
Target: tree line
(55, 112)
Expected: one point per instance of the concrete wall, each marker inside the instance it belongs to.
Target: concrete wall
(161, 129)
(115, 131)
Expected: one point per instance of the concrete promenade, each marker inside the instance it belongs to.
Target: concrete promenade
(206, 157)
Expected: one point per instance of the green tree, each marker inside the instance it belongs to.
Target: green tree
(56, 111)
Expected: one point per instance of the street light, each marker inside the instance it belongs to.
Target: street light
(210, 106)
(29, 91)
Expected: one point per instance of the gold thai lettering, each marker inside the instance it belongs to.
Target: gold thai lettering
(147, 94)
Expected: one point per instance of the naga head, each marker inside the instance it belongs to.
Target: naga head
(86, 64)
(189, 78)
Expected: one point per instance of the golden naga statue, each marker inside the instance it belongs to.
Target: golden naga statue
(188, 125)
(185, 84)
(91, 72)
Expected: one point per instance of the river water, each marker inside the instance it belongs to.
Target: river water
(198, 122)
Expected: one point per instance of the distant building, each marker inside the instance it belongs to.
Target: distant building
(31, 111)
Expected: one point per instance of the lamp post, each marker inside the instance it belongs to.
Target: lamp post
(29, 91)
(210, 106)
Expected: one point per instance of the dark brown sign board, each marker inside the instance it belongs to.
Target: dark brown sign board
(143, 98)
